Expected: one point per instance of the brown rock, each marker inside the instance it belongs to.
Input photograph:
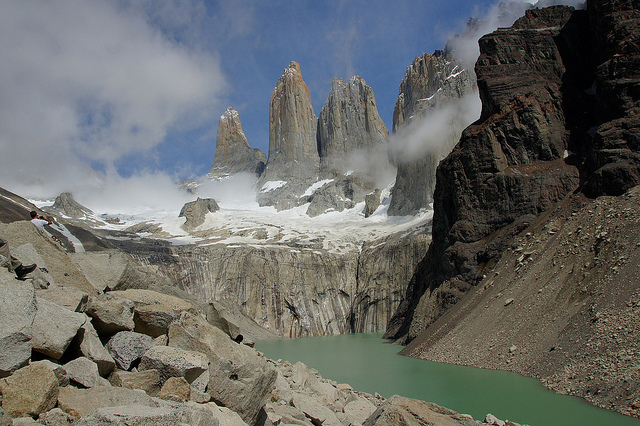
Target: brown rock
(30, 391)
(175, 389)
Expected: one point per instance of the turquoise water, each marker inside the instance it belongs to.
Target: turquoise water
(371, 365)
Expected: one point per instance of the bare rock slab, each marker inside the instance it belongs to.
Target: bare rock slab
(80, 402)
(406, 411)
(18, 307)
(30, 391)
(54, 327)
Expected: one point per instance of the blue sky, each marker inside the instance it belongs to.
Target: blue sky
(94, 90)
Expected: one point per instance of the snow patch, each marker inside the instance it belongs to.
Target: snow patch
(271, 185)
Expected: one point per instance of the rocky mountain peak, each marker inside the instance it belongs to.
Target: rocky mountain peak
(431, 84)
(293, 153)
(233, 153)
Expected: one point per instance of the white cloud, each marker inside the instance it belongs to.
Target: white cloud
(89, 82)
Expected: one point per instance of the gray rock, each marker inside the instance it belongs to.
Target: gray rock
(91, 347)
(127, 348)
(68, 297)
(174, 362)
(233, 153)
(56, 417)
(358, 410)
(133, 415)
(372, 202)
(196, 211)
(30, 391)
(54, 327)
(240, 378)
(67, 205)
(18, 307)
(84, 372)
(406, 411)
(80, 402)
(315, 411)
(110, 317)
(60, 373)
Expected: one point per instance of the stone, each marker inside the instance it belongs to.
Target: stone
(80, 402)
(406, 411)
(18, 307)
(174, 362)
(30, 391)
(195, 212)
(56, 417)
(175, 389)
(5, 419)
(315, 411)
(68, 297)
(91, 347)
(147, 380)
(57, 369)
(154, 320)
(84, 372)
(358, 410)
(131, 414)
(110, 317)
(233, 154)
(225, 416)
(240, 378)
(128, 347)
(54, 327)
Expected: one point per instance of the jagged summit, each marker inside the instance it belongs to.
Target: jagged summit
(233, 153)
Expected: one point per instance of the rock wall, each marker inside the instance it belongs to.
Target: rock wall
(432, 85)
(509, 166)
(298, 292)
(233, 153)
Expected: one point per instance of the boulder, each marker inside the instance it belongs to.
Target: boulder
(174, 362)
(359, 410)
(406, 411)
(154, 320)
(18, 307)
(58, 370)
(84, 372)
(147, 380)
(240, 378)
(30, 391)
(56, 417)
(196, 211)
(132, 414)
(68, 297)
(90, 346)
(127, 348)
(175, 389)
(54, 327)
(110, 317)
(314, 410)
(80, 402)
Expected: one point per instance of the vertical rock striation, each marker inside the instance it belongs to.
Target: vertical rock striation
(293, 160)
(233, 153)
(433, 88)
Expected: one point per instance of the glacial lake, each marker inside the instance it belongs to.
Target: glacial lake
(370, 364)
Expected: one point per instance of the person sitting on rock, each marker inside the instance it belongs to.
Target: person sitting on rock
(39, 221)
(13, 264)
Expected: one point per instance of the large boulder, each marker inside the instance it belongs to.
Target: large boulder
(80, 402)
(174, 362)
(54, 327)
(84, 372)
(68, 297)
(111, 316)
(399, 410)
(147, 380)
(131, 414)
(30, 391)
(128, 347)
(18, 307)
(240, 378)
(90, 346)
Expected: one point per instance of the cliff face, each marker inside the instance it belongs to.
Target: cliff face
(508, 166)
(432, 88)
(233, 153)
(297, 292)
(525, 272)
(293, 153)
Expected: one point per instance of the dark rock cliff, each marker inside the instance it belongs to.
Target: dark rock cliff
(533, 144)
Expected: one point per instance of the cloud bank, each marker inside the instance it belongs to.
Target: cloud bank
(86, 83)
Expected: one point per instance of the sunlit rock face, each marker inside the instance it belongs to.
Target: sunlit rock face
(233, 153)
(293, 153)
(298, 291)
(434, 105)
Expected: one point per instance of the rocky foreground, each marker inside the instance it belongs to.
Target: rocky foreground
(81, 346)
